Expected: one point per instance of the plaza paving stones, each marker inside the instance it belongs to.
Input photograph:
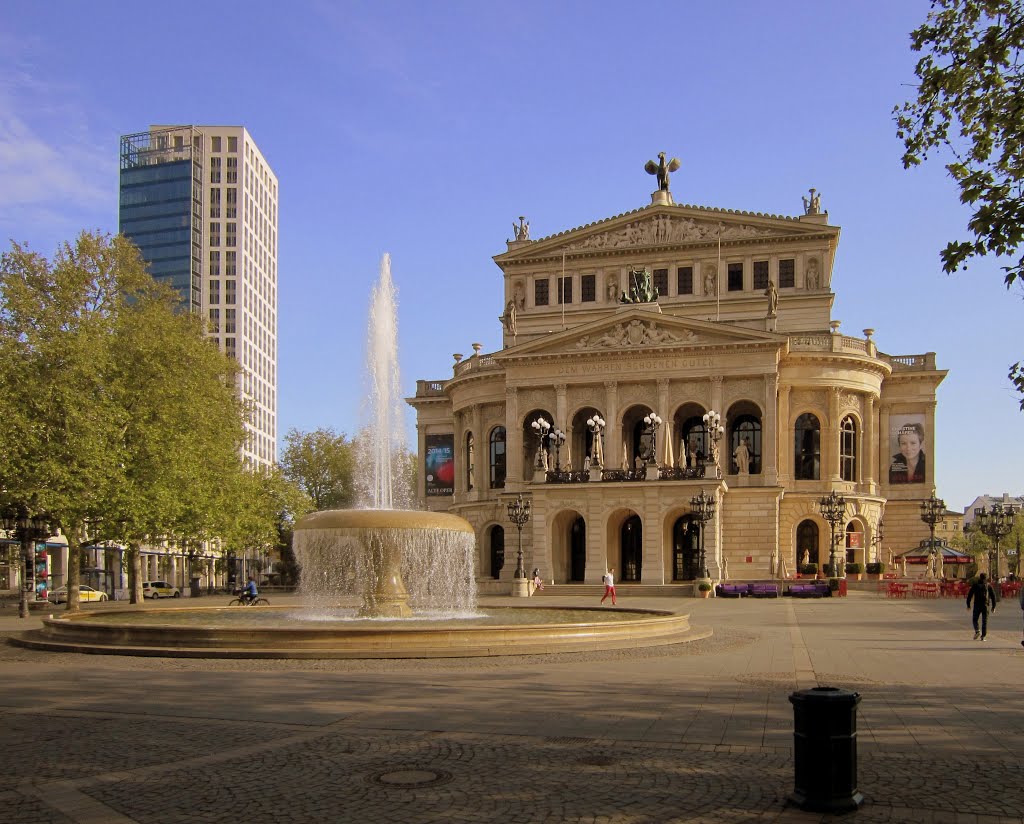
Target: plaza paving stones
(700, 732)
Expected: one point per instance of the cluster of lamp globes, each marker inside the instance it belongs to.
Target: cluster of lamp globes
(542, 428)
(653, 421)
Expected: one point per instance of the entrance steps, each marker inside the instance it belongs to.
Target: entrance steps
(684, 590)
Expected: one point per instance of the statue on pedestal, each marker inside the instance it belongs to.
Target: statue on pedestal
(662, 169)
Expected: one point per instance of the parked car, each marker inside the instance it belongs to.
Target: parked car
(159, 589)
(60, 595)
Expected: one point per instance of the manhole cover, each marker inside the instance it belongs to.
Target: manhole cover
(406, 778)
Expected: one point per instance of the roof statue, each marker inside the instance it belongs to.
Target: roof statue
(662, 169)
(522, 231)
(812, 205)
(641, 290)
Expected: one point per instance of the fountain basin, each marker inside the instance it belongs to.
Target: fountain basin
(160, 633)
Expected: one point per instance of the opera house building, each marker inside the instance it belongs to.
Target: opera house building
(673, 397)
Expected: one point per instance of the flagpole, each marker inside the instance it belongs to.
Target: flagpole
(718, 277)
(563, 290)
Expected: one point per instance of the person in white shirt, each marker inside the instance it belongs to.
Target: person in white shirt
(609, 585)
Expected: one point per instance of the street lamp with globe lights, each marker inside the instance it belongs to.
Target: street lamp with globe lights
(556, 438)
(996, 523)
(713, 426)
(540, 428)
(703, 508)
(519, 514)
(28, 530)
(932, 510)
(833, 510)
(652, 422)
(596, 426)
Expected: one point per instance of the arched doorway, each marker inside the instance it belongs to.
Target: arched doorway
(578, 550)
(497, 551)
(685, 549)
(807, 541)
(631, 537)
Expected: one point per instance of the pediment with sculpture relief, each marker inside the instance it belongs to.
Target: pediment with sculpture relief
(663, 230)
(640, 329)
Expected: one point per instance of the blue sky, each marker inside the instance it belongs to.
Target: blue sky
(424, 129)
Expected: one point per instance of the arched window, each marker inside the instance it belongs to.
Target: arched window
(470, 460)
(807, 448)
(497, 457)
(694, 438)
(848, 449)
(748, 428)
(807, 542)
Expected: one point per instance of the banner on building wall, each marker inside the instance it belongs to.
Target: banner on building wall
(439, 465)
(906, 446)
(854, 540)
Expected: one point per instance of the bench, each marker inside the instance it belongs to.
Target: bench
(732, 590)
(764, 590)
(818, 589)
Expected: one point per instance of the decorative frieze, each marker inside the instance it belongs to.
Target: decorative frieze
(663, 230)
(635, 333)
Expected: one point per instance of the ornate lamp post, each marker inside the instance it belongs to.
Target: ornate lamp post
(519, 514)
(996, 523)
(833, 510)
(556, 438)
(703, 508)
(713, 426)
(28, 530)
(540, 428)
(596, 426)
(652, 422)
(876, 541)
(931, 513)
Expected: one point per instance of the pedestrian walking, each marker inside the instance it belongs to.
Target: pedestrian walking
(609, 585)
(982, 595)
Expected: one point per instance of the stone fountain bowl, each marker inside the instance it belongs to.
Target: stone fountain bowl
(383, 519)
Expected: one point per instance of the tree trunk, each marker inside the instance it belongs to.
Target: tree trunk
(74, 602)
(134, 574)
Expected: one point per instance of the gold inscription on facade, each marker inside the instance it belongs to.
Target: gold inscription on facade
(654, 364)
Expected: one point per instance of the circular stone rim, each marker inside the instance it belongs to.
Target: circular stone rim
(383, 519)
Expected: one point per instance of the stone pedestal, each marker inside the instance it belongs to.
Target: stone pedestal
(539, 476)
(520, 587)
(595, 474)
(660, 198)
(652, 472)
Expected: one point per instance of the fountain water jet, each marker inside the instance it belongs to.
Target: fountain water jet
(395, 559)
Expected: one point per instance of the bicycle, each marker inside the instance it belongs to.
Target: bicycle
(248, 601)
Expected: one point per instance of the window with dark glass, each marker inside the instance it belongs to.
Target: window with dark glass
(215, 234)
(760, 275)
(470, 459)
(588, 288)
(807, 448)
(787, 273)
(215, 144)
(747, 428)
(232, 207)
(565, 290)
(215, 202)
(229, 320)
(214, 292)
(215, 320)
(214, 170)
(848, 449)
(229, 291)
(540, 292)
(232, 144)
(660, 280)
(497, 457)
(231, 236)
(684, 280)
(215, 264)
(735, 277)
(230, 265)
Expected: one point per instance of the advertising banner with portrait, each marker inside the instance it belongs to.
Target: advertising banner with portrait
(906, 449)
(439, 465)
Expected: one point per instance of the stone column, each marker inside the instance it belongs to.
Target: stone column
(421, 450)
(769, 432)
(480, 449)
(871, 443)
(830, 450)
(561, 423)
(613, 432)
(513, 439)
(929, 467)
(785, 437)
(666, 418)
(459, 487)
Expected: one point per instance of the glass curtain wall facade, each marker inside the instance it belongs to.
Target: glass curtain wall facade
(161, 206)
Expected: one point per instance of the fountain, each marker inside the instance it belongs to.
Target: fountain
(394, 558)
(412, 573)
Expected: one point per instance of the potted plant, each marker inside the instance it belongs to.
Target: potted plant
(833, 585)
(876, 568)
(704, 587)
(809, 569)
(855, 568)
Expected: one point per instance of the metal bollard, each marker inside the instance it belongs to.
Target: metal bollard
(825, 750)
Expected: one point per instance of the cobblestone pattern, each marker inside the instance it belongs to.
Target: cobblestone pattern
(335, 777)
(16, 808)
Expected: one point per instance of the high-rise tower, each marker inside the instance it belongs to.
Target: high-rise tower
(201, 204)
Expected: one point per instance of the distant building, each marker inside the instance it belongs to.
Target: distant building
(986, 501)
(201, 203)
(741, 325)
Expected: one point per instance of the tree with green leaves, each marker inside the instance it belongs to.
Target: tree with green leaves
(321, 463)
(970, 108)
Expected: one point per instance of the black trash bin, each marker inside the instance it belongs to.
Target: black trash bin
(194, 589)
(825, 749)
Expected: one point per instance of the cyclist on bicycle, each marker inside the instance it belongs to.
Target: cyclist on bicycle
(250, 593)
